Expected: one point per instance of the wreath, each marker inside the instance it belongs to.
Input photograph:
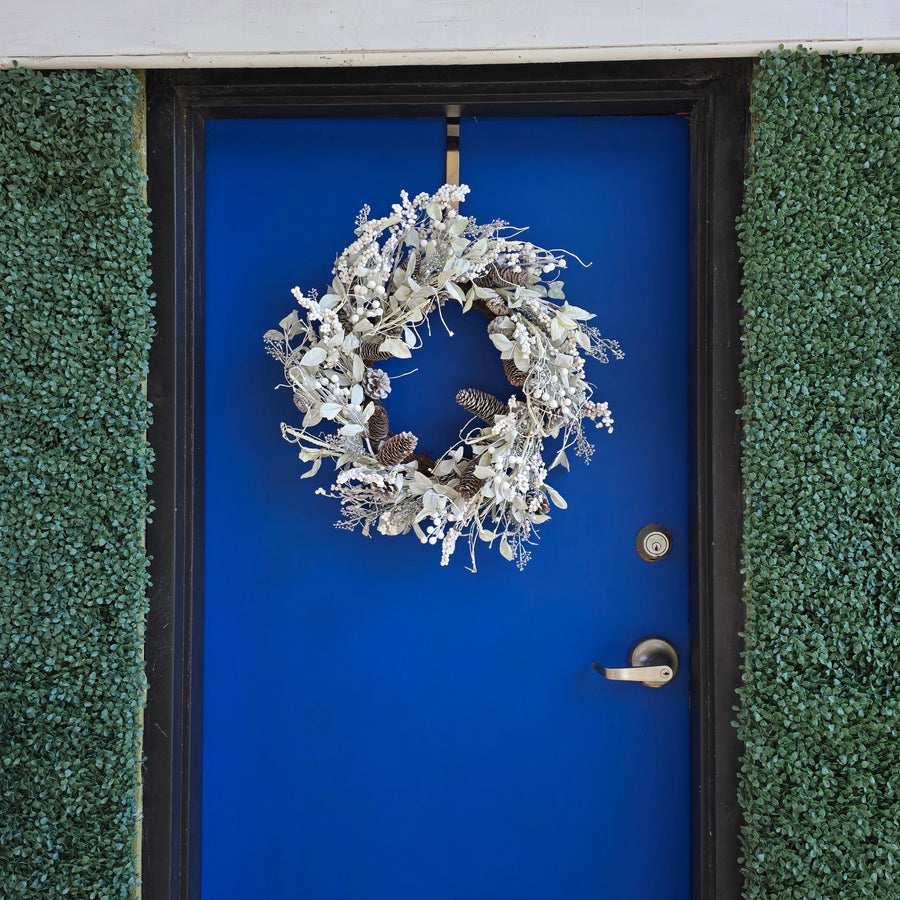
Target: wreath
(401, 269)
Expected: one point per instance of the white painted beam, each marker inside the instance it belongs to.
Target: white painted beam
(216, 33)
(189, 60)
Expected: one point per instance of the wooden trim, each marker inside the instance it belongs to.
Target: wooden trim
(715, 96)
(718, 155)
(174, 645)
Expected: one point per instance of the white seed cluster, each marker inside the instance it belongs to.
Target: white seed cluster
(362, 474)
(599, 411)
(521, 337)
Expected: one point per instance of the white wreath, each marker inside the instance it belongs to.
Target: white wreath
(491, 485)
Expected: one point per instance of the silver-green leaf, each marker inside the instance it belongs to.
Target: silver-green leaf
(395, 348)
(314, 357)
(556, 497)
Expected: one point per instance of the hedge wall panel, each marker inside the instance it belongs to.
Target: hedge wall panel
(76, 326)
(820, 713)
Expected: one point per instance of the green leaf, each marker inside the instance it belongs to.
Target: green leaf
(505, 550)
(331, 410)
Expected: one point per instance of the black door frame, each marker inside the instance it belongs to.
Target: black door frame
(715, 95)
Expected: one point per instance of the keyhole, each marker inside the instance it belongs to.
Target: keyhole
(653, 542)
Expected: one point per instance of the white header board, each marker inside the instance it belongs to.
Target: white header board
(199, 33)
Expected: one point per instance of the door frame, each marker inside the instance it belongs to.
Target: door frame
(714, 94)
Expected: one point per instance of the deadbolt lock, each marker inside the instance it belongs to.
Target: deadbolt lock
(653, 542)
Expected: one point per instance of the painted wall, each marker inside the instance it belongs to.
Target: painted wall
(169, 33)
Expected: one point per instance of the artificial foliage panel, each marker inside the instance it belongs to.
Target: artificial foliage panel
(819, 710)
(76, 326)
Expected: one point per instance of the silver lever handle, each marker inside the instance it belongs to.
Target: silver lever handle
(654, 663)
(654, 676)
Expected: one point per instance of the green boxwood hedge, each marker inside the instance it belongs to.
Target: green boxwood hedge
(820, 712)
(75, 332)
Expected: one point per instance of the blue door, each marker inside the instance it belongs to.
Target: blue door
(378, 727)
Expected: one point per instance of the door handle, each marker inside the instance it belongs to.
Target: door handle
(653, 662)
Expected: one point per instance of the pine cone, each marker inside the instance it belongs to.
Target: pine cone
(426, 463)
(469, 485)
(495, 304)
(487, 279)
(507, 277)
(397, 449)
(514, 374)
(502, 276)
(542, 507)
(481, 404)
(370, 352)
(376, 384)
(536, 318)
(386, 492)
(378, 425)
